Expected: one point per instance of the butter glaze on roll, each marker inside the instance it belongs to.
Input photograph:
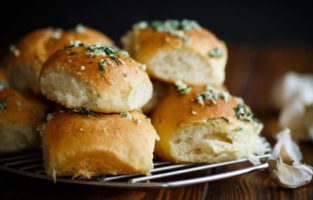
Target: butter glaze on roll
(205, 126)
(178, 50)
(96, 77)
(26, 57)
(87, 144)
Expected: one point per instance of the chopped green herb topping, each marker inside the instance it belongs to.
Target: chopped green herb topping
(216, 53)
(207, 95)
(75, 43)
(102, 65)
(244, 113)
(126, 115)
(80, 28)
(3, 104)
(182, 87)
(113, 53)
(225, 96)
(141, 25)
(173, 27)
(212, 95)
(84, 111)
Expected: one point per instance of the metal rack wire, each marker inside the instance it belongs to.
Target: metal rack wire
(163, 175)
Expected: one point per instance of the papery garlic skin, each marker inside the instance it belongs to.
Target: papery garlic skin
(285, 166)
(289, 176)
(286, 149)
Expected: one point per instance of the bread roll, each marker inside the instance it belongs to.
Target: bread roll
(96, 77)
(205, 127)
(26, 58)
(19, 117)
(87, 144)
(159, 91)
(178, 50)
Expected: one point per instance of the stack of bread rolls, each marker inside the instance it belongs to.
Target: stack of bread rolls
(100, 93)
(22, 108)
(101, 133)
(198, 120)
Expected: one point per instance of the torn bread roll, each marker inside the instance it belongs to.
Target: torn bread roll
(83, 143)
(178, 50)
(19, 118)
(198, 125)
(96, 77)
(26, 58)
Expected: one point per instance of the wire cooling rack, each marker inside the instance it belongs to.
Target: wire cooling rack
(164, 174)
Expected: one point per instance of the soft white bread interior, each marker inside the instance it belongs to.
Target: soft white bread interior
(26, 58)
(96, 77)
(178, 50)
(19, 118)
(159, 91)
(205, 126)
(87, 144)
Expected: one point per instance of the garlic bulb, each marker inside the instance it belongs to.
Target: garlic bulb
(287, 89)
(285, 166)
(299, 118)
(293, 93)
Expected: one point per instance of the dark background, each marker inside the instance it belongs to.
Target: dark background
(232, 21)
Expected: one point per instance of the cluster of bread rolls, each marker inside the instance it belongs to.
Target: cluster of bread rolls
(197, 120)
(102, 91)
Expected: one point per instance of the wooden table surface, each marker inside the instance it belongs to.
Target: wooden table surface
(251, 71)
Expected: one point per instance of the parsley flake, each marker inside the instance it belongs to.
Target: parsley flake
(182, 87)
(102, 65)
(126, 115)
(216, 53)
(83, 111)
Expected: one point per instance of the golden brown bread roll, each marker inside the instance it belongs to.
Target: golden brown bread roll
(96, 77)
(26, 58)
(87, 144)
(205, 126)
(178, 50)
(19, 118)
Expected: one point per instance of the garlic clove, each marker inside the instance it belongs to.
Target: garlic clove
(286, 149)
(289, 176)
